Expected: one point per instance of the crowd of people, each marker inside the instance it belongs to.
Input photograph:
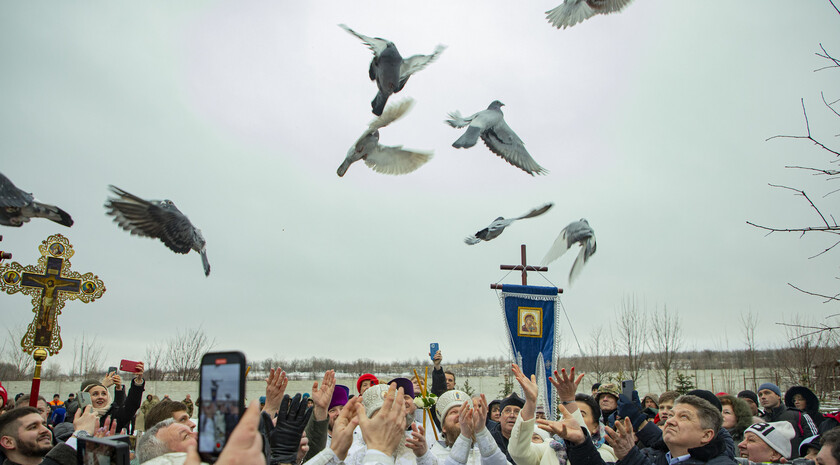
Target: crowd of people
(403, 422)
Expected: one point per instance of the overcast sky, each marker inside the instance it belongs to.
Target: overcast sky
(652, 123)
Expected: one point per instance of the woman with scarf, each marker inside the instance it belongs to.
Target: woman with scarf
(121, 408)
(583, 408)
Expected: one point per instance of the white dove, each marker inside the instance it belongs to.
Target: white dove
(383, 158)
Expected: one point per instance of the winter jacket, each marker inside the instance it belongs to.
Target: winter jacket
(651, 436)
(812, 403)
(123, 408)
(713, 453)
(803, 426)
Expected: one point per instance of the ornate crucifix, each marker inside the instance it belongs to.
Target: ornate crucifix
(525, 268)
(50, 283)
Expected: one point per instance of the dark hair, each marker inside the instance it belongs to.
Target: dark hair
(163, 410)
(447, 372)
(595, 386)
(832, 438)
(10, 420)
(591, 402)
(24, 400)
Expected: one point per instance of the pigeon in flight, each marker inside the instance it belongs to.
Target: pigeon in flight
(572, 12)
(18, 207)
(499, 224)
(577, 232)
(157, 218)
(389, 69)
(383, 158)
(490, 125)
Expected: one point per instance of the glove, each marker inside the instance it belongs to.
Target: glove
(284, 437)
(632, 409)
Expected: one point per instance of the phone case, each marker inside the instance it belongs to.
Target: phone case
(128, 365)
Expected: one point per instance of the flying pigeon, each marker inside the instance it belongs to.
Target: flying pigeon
(490, 125)
(160, 219)
(572, 12)
(499, 224)
(383, 158)
(18, 207)
(389, 69)
(577, 232)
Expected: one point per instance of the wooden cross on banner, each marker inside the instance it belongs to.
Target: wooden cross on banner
(525, 268)
(50, 283)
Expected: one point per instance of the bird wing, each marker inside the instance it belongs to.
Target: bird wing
(391, 114)
(396, 160)
(375, 44)
(415, 63)
(457, 121)
(560, 246)
(536, 212)
(143, 218)
(613, 6)
(569, 13)
(502, 141)
(11, 196)
(587, 250)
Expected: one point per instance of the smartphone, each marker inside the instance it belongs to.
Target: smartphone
(128, 365)
(627, 388)
(433, 348)
(222, 400)
(111, 370)
(84, 400)
(101, 451)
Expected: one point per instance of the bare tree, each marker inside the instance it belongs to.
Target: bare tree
(155, 364)
(749, 322)
(805, 350)
(632, 332)
(665, 344)
(184, 351)
(16, 364)
(87, 357)
(599, 354)
(826, 225)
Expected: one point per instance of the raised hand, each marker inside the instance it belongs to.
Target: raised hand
(479, 413)
(323, 395)
(531, 389)
(386, 429)
(284, 438)
(621, 438)
(86, 420)
(138, 374)
(275, 388)
(566, 384)
(465, 417)
(568, 428)
(417, 440)
(342, 433)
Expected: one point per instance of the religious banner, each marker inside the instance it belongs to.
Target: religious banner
(531, 322)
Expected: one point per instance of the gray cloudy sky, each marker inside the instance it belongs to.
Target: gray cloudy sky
(652, 122)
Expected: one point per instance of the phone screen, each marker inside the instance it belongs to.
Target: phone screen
(101, 451)
(84, 400)
(221, 391)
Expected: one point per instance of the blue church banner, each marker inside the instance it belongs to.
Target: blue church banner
(532, 327)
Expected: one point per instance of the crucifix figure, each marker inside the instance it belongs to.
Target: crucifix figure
(50, 283)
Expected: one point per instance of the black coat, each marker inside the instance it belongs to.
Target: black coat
(803, 425)
(123, 408)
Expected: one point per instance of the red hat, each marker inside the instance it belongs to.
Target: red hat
(365, 377)
(3, 395)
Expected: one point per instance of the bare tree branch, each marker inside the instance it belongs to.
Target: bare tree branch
(819, 171)
(829, 105)
(808, 136)
(828, 298)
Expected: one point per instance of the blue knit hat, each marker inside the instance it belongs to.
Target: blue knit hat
(771, 387)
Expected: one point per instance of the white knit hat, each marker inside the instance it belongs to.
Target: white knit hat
(449, 399)
(777, 435)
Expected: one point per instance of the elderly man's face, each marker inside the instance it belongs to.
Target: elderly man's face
(684, 431)
(177, 437)
(757, 450)
(826, 456)
(450, 382)
(509, 414)
(608, 402)
(769, 399)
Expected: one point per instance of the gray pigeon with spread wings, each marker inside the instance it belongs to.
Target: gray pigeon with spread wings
(578, 232)
(160, 219)
(490, 125)
(389, 69)
(499, 224)
(383, 158)
(572, 12)
(18, 207)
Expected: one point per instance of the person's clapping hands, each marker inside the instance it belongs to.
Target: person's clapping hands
(275, 388)
(417, 440)
(322, 395)
(284, 436)
(386, 429)
(342, 433)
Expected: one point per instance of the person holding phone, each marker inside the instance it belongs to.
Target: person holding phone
(121, 408)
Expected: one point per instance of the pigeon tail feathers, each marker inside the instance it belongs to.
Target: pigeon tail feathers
(577, 267)
(569, 13)
(468, 139)
(471, 240)
(378, 103)
(204, 262)
(343, 168)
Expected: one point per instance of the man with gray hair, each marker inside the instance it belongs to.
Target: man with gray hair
(165, 443)
(691, 436)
